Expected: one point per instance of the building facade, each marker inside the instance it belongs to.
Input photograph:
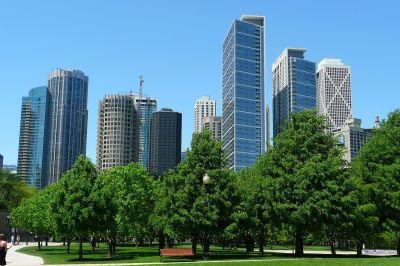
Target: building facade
(33, 135)
(267, 128)
(213, 123)
(117, 132)
(334, 93)
(68, 120)
(243, 96)
(293, 86)
(165, 141)
(145, 107)
(205, 107)
(1, 161)
(353, 137)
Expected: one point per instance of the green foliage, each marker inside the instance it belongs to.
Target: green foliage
(126, 193)
(305, 165)
(13, 190)
(34, 215)
(192, 208)
(378, 166)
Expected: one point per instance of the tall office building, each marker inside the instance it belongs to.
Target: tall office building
(33, 135)
(165, 141)
(147, 107)
(117, 132)
(68, 120)
(267, 128)
(353, 137)
(213, 123)
(293, 85)
(204, 107)
(1, 161)
(334, 92)
(243, 98)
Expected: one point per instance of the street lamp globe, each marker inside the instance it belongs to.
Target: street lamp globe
(206, 179)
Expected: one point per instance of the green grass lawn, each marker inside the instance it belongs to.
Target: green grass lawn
(131, 254)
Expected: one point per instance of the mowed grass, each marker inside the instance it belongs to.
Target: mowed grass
(132, 254)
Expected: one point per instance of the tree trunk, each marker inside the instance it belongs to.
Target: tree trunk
(161, 241)
(110, 249)
(46, 241)
(39, 243)
(205, 244)
(333, 247)
(206, 247)
(249, 244)
(80, 249)
(194, 245)
(260, 241)
(68, 246)
(299, 244)
(398, 246)
(359, 247)
(332, 241)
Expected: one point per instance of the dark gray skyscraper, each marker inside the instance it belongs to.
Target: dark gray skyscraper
(68, 120)
(243, 98)
(165, 141)
(293, 85)
(33, 135)
(1, 161)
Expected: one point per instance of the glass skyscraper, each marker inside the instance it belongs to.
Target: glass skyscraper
(68, 120)
(293, 85)
(147, 107)
(33, 135)
(243, 98)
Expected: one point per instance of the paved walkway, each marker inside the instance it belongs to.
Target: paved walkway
(16, 258)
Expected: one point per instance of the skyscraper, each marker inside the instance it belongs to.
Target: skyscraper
(353, 137)
(147, 107)
(1, 161)
(213, 123)
(334, 92)
(293, 85)
(32, 153)
(204, 107)
(243, 98)
(165, 141)
(68, 120)
(117, 132)
(267, 128)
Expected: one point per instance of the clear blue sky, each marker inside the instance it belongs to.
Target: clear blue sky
(176, 46)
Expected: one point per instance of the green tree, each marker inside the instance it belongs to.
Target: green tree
(76, 204)
(378, 165)
(305, 161)
(13, 190)
(191, 206)
(34, 214)
(127, 200)
(253, 209)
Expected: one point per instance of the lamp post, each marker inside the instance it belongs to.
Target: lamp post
(9, 226)
(207, 182)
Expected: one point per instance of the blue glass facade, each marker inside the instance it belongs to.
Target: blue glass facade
(243, 99)
(294, 86)
(32, 154)
(147, 107)
(68, 120)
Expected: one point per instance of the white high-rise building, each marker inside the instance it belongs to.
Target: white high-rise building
(205, 107)
(334, 92)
